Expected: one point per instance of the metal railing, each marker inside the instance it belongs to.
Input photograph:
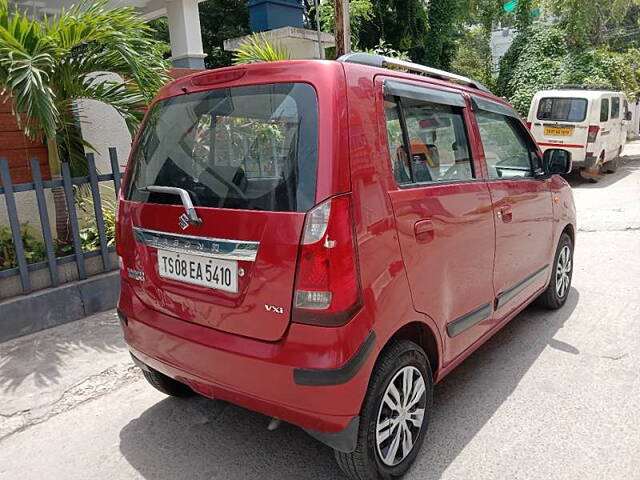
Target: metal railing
(39, 186)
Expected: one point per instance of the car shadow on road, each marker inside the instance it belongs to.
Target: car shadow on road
(200, 438)
(626, 166)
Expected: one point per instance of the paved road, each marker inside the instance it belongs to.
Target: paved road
(551, 396)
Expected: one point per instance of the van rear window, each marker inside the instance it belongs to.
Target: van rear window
(562, 109)
(250, 148)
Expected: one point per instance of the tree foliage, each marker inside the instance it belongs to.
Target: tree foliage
(543, 59)
(402, 24)
(473, 56)
(585, 22)
(444, 19)
(360, 12)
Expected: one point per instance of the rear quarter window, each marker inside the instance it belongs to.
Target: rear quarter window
(604, 110)
(562, 109)
(615, 107)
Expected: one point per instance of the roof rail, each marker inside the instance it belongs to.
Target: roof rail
(577, 86)
(382, 61)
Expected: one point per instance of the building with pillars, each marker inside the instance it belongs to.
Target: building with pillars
(183, 16)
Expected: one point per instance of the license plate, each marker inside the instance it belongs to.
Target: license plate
(558, 131)
(199, 270)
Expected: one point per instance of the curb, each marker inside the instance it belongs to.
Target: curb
(54, 306)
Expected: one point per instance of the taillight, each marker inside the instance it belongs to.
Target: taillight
(327, 288)
(593, 133)
(529, 125)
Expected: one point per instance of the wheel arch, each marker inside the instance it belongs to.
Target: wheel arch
(570, 230)
(423, 335)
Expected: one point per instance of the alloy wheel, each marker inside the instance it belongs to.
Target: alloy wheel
(563, 271)
(401, 415)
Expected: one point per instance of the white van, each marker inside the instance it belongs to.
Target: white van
(591, 124)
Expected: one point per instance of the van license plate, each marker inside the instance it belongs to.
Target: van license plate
(558, 131)
(199, 270)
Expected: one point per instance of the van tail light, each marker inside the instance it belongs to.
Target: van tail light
(327, 287)
(528, 125)
(593, 133)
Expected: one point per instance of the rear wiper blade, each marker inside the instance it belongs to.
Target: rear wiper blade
(186, 219)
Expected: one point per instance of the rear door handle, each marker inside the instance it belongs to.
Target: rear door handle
(424, 230)
(505, 213)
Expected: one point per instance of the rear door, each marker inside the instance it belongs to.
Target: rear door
(521, 206)
(561, 122)
(606, 136)
(442, 210)
(617, 128)
(246, 157)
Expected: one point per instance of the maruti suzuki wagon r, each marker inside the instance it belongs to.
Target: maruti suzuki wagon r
(322, 241)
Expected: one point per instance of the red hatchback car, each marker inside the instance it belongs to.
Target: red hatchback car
(322, 241)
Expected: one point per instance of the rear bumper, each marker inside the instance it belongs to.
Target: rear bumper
(310, 378)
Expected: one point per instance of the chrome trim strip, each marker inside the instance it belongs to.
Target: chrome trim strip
(206, 246)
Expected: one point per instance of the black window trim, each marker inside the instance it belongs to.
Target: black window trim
(405, 140)
(420, 93)
(481, 103)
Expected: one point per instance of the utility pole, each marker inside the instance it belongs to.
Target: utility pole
(343, 30)
(320, 47)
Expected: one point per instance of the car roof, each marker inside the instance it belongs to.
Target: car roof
(313, 67)
(576, 93)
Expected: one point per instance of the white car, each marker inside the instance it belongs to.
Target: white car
(591, 124)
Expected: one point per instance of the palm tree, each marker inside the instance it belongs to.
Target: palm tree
(258, 48)
(48, 65)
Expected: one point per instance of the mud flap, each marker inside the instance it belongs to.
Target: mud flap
(592, 174)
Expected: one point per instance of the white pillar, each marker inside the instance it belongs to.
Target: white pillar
(185, 35)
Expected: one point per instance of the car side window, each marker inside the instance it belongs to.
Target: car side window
(604, 110)
(435, 136)
(508, 151)
(615, 107)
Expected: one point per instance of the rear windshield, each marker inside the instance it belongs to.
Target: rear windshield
(562, 109)
(251, 148)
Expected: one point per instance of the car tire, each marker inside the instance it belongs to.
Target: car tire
(558, 289)
(374, 456)
(591, 175)
(611, 166)
(166, 385)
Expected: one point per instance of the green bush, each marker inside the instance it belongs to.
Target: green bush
(89, 237)
(34, 249)
(540, 58)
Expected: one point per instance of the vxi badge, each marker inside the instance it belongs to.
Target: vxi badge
(274, 309)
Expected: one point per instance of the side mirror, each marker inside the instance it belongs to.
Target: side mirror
(628, 116)
(556, 160)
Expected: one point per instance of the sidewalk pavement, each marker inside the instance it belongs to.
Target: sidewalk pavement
(50, 372)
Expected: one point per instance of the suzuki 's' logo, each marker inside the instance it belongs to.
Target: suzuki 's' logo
(274, 309)
(183, 221)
